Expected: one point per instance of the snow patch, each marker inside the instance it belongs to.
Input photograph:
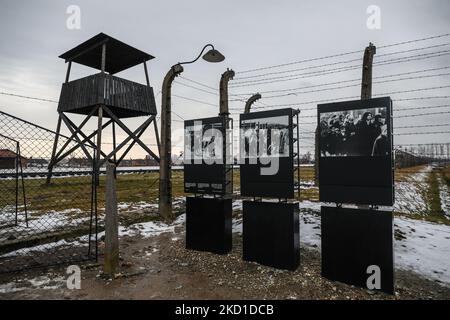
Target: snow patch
(409, 193)
(444, 194)
(151, 228)
(41, 282)
(426, 249)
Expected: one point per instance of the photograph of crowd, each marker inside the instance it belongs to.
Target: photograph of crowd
(265, 137)
(360, 132)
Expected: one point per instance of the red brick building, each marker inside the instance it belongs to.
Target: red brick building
(8, 159)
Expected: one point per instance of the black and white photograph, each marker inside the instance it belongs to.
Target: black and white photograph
(265, 137)
(203, 141)
(360, 132)
(356, 157)
(266, 142)
(185, 151)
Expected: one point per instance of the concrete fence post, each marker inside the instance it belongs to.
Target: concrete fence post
(111, 262)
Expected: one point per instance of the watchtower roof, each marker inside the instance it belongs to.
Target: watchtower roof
(119, 56)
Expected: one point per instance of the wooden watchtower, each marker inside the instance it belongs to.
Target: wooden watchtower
(104, 95)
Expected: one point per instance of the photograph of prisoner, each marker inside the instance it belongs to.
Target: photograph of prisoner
(203, 142)
(265, 137)
(360, 132)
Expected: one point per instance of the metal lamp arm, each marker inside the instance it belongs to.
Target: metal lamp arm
(203, 50)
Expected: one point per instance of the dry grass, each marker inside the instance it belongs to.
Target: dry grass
(74, 192)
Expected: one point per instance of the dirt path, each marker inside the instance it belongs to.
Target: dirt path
(160, 267)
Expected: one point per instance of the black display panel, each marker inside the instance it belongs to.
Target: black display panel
(208, 224)
(356, 158)
(353, 240)
(208, 156)
(271, 234)
(266, 154)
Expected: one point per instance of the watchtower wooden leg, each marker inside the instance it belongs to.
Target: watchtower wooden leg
(157, 137)
(114, 148)
(55, 145)
(99, 144)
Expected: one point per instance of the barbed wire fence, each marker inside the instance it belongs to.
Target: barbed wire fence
(421, 110)
(11, 164)
(421, 118)
(43, 224)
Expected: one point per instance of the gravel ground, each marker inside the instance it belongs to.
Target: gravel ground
(160, 267)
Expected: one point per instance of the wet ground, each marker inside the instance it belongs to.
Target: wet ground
(159, 267)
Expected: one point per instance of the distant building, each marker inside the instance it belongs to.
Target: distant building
(8, 159)
(146, 162)
(79, 162)
(150, 161)
(37, 162)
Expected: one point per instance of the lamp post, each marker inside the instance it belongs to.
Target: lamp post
(165, 172)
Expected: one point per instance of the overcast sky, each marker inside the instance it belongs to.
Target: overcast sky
(251, 34)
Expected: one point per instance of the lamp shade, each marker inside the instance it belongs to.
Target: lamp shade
(213, 55)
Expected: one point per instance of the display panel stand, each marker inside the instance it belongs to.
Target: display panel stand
(208, 212)
(271, 234)
(352, 241)
(271, 231)
(208, 224)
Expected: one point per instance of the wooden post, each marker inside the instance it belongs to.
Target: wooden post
(58, 129)
(158, 142)
(55, 145)
(103, 62)
(147, 80)
(114, 147)
(111, 262)
(155, 125)
(68, 71)
(99, 146)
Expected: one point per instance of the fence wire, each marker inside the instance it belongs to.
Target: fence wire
(43, 223)
(421, 177)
